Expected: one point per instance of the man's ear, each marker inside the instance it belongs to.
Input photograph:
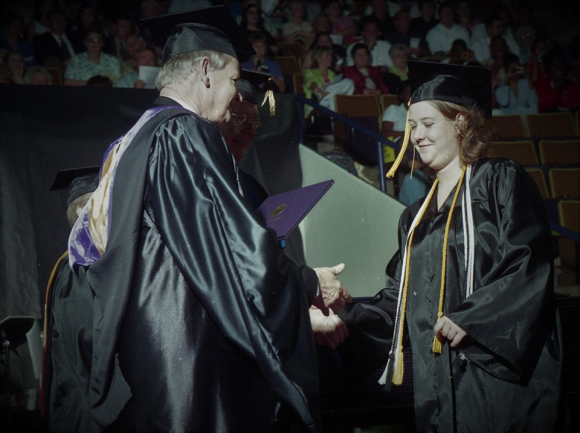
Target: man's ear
(204, 71)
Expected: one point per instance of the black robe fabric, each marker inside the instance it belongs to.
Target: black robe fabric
(200, 320)
(506, 373)
(67, 361)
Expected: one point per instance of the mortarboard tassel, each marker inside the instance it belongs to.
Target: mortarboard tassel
(397, 162)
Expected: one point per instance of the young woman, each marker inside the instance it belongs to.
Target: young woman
(471, 288)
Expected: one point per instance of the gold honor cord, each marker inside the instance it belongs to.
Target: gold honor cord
(269, 96)
(401, 154)
(436, 341)
(399, 364)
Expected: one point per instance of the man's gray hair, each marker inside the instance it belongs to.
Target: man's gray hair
(398, 47)
(180, 67)
(31, 72)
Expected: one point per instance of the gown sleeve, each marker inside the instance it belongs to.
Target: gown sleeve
(509, 315)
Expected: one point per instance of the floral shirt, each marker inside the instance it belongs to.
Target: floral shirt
(81, 68)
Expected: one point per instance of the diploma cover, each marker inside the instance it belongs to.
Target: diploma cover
(283, 212)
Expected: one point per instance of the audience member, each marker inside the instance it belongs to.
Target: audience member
(380, 15)
(341, 24)
(417, 46)
(322, 24)
(262, 63)
(465, 15)
(426, 21)
(144, 57)
(395, 116)
(515, 94)
(524, 16)
(298, 29)
(13, 40)
(39, 23)
(253, 23)
(338, 53)
(379, 49)
(460, 54)
(37, 75)
(320, 80)
(498, 49)
(92, 62)
(525, 37)
(367, 79)
(54, 48)
(441, 36)
(116, 44)
(134, 43)
(99, 81)
(399, 72)
(15, 61)
(86, 21)
(536, 63)
(556, 91)
(494, 26)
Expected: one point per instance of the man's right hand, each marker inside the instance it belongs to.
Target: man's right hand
(333, 295)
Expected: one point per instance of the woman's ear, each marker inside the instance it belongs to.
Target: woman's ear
(459, 122)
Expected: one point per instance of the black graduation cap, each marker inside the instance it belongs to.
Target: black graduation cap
(79, 181)
(467, 86)
(212, 29)
(249, 83)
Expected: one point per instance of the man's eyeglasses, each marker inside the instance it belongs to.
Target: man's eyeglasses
(241, 121)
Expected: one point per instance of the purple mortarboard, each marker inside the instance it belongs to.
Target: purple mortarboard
(211, 29)
(79, 181)
(468, 86)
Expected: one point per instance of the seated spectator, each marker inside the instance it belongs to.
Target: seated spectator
(99, 81)
(536, 64)
(38, 76)
(493, 27)
(116, 44)
(399, 72)
(262, 63)
(341, 24)
(556, 91)
(427, 20)
(13, 40)
(338, 53)
(39, 23)
(466, 15)
(86, 21)
(253, 23)
(92, 62)
(380, 15)
(525, 37)
(144, 57)
(498, 49)
(321, 82)
(461, 55)
(395, 116)
(298, 29)
(440, 37)
(54, 49)
(524, 16)
(417, 46)
(515, 94)
(368, 80)
(379, 49)
(321, 24)
(15, 61)
(133, 43)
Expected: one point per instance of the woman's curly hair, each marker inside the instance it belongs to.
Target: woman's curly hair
(474, 142)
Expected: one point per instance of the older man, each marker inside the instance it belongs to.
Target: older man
(201, 321)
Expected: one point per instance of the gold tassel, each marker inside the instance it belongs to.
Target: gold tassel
(399, 368)
(397, 162)
(269, 96)
(437, 346)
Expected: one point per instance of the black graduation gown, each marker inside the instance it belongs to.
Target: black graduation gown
(67, 362)
(507, 371)
(201, 321)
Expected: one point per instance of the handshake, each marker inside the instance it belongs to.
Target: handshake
(328, 329)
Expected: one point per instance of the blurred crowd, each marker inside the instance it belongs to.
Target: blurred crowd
(366, 43)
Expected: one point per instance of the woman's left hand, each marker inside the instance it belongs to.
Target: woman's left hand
(445, 328)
